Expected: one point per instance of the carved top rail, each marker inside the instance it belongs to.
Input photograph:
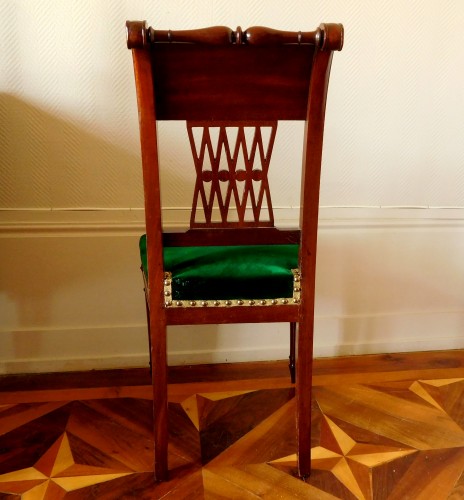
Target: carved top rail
(329, 36)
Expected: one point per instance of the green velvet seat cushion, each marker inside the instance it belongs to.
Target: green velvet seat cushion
(228, 272)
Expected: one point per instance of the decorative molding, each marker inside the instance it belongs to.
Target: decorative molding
(92, 222)
(32, 222)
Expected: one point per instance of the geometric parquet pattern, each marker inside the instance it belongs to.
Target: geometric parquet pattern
(382, 440)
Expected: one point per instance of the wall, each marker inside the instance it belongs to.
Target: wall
(390, 270)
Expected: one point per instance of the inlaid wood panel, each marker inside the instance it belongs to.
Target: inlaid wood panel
(383, 438)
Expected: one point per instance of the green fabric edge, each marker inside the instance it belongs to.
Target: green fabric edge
(228, 272)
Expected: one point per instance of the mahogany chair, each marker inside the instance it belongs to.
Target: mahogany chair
(233, 265)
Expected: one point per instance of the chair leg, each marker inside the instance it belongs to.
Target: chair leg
(291, 364)
(147, 310)
(148, 327)
(303, 390)
(160, 396)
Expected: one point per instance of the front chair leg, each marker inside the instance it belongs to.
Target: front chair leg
(291, 364)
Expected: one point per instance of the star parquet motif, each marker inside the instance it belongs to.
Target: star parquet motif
(390, 440)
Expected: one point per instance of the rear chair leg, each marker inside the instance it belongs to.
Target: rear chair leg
(291, 364)
(158, 369)
(148, 323)
(148, 314)
(160, 397)
(304, 368)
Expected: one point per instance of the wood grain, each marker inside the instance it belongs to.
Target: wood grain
(388, 435)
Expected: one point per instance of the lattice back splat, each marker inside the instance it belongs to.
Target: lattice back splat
(232, 186)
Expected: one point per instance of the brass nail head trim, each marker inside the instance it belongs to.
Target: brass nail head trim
(295, 299)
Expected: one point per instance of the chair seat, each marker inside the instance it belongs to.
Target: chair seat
(228, 272)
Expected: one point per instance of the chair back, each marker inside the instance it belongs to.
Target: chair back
(231, 88)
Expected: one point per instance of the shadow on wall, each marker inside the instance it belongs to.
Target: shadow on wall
(67, 278)
(49, 162)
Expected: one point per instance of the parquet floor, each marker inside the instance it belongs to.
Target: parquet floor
(384, 427)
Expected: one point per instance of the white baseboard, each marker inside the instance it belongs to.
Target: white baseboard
(128, 346)
(73, 349)
(56, 365)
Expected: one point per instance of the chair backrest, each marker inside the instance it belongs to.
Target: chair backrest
(232, 88)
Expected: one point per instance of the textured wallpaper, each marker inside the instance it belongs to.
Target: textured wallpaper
(68, 118)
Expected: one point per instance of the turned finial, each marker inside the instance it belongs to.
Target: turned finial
(329, 36)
